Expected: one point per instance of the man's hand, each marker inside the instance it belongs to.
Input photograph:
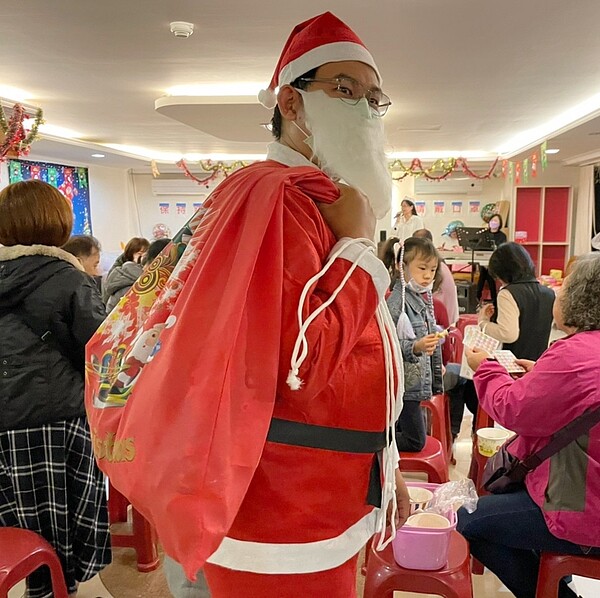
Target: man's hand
(475, 357)
(426, 345)
(349, 216)
(526, 364)
(402, 499)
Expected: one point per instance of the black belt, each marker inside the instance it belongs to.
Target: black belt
(283, 431)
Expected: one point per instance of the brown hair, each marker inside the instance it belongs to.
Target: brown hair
(34, 213)
(133, 246)
(82, 245)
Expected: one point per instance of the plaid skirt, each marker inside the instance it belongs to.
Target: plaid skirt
(50, 484)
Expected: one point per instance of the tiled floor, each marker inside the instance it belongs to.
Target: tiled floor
(485, 586)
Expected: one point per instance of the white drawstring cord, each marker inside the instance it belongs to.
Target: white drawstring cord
(394, 373)
(300, 351)
(392, 356)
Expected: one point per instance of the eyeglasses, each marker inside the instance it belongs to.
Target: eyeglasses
(352, 91)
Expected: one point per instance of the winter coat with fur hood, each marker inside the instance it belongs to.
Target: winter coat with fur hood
(49, 308)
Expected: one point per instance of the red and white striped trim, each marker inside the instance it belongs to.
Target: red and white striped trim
(334, 52)
(307, 557)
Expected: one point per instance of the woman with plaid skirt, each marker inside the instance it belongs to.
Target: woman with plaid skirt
(49, 308)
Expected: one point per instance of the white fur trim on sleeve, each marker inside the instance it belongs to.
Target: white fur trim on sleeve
(369, 263)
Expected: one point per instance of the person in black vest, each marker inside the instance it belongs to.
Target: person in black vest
(523, 319)
(522, 322)
(49, 309)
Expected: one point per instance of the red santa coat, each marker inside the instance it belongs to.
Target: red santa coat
(306, 509)
(198, 474)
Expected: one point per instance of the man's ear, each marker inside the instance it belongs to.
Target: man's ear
(289, 102)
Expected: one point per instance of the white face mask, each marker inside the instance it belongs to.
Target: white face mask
(419, 288)
(349, 142)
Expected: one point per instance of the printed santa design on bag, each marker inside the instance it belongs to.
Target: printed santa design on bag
(144, 348)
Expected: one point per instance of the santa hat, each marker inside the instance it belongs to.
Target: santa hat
(311, 44)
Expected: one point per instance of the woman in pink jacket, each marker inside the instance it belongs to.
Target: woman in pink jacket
(559, 510)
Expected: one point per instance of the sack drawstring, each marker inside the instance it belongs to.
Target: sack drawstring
(394, 374)
(300, 351)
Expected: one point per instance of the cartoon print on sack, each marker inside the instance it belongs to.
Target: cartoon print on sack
(114, 391)
(105, 369)
(142, 351)
(123, 346)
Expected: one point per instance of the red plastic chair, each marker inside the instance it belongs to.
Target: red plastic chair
(476, 468)
(139, 535)
(553, 567)
(466, 320)
(431, 460)
(439, 408)
(478, 461)
(21, 553)
(384, 575)
(454, 340)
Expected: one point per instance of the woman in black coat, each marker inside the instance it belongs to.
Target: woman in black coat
(49, 308)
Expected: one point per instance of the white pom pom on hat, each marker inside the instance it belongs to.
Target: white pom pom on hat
(315, 42)
(268, 98)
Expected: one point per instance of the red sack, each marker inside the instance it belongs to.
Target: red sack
(181, 377)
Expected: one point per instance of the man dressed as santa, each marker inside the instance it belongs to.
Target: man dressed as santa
(325, 478)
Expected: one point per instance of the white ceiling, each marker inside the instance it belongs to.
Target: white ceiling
(463, 76)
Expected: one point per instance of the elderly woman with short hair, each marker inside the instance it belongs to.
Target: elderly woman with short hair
(559, 510)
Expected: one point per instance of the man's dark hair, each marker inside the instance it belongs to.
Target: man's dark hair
(423, 233)
(82, 245)
(155, 248)
(511, 263)
(276, 120)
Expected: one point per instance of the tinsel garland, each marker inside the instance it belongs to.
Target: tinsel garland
(15, 138)
(214, 168)
(444, 167)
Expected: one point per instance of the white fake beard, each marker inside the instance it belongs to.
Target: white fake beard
(349, 142)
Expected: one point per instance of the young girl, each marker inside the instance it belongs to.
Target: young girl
(411, 306)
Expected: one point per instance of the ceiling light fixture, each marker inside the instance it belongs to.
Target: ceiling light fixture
(53, 130)
(145, 153)
(14, 94)
(182, 29)
(552, 151)
(98, 156)
(443, 155)
(216, 89)
(565, 121)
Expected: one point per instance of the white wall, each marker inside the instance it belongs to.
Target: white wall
(3, 174)
(147, 205)
(492, 191)
(110, 207)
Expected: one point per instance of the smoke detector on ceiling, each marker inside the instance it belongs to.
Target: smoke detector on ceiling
(182, 29)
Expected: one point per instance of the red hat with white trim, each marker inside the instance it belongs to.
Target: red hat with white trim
(311, 44)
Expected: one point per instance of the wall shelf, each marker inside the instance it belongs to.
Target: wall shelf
(545, 214)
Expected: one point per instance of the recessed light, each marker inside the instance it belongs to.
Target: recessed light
(12, 93)
(98, 156)
(552, 151)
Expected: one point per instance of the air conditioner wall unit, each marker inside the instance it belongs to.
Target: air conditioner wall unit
(177, 187)
(450, 186)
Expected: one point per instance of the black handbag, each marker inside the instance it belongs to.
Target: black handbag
(505, 473)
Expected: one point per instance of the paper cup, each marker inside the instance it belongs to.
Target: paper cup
(419, 498)
(429, 520)
(489, 440)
